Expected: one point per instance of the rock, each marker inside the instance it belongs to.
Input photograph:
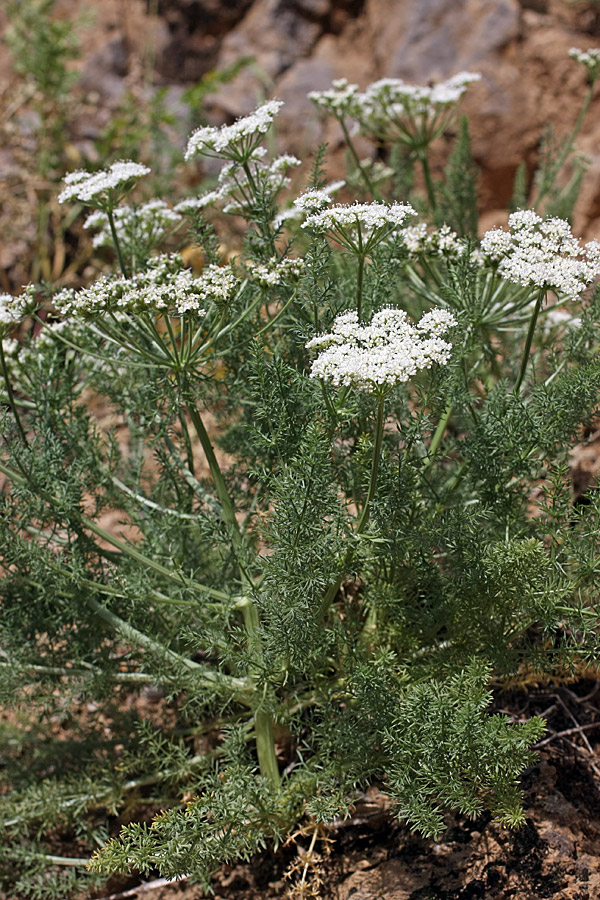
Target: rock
(105, 70)
(331, 58)
(215, 17)
(274, 33)
(433, 39)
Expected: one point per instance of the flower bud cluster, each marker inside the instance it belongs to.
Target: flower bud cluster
(235, 188)
(276, 271)
(366, 216)
(588, 58)
(164, 287)
(12, 309)
(420, 240)
(341, 99)
(385, 353)
(392, 109)
(314, 200)
(234, 141)
(542, 253)
(146, 224)
(310, 201)
(102, 188)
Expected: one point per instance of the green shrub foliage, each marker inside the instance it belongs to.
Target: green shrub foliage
(271, 530)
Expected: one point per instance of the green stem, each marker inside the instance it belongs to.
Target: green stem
(528, 342)
(11, 396)
(210, 678)
(438, 435)
(113, 231)
(363, 173)
(359, 286)
(428, 181)
(265, 739)
(264, 227)
(263, 720)
(125, 677)
(227, 508)
(364, 516)
(125, 548)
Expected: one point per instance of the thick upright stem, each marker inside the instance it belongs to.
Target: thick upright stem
(227, 507)
(528, 342)
(438, 435)
(263, 721)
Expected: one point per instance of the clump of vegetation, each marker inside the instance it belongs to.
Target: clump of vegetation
(307, 523)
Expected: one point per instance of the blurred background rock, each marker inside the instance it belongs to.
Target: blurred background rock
(145, 72)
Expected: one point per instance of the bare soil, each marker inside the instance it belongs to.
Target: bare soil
(372, 856)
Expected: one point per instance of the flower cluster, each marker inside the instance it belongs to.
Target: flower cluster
(391, 109)
(367, 217)
(359, 227)
(340, 100)
(383, 354)
(104, 188)
(276, 271)
(236, 187)
(588, 58)
(12, 309)
(237, 141)
(310, 201)
(420, 240)
(410, 113)
(542, 253)
(316, 199)
(145, 225)
(164, 287)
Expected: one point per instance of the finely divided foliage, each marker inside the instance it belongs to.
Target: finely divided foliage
(276, 523)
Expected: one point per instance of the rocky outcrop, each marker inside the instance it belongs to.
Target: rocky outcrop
(300, 45)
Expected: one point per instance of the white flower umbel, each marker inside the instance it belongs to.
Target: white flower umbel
(387, 352)
(144, 225)
(590, 59)
(12, 310)
(422, 241)
(339, 100)
(413, 114)
(165, 287)
(360, 226)
(315, 200)
(239, 186)
(102, 189)
(310, 201)
(543, 253)
(236, 142)
(276, 271)
(193, 204)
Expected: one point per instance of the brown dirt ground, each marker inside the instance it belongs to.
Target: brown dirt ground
(372, 856)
